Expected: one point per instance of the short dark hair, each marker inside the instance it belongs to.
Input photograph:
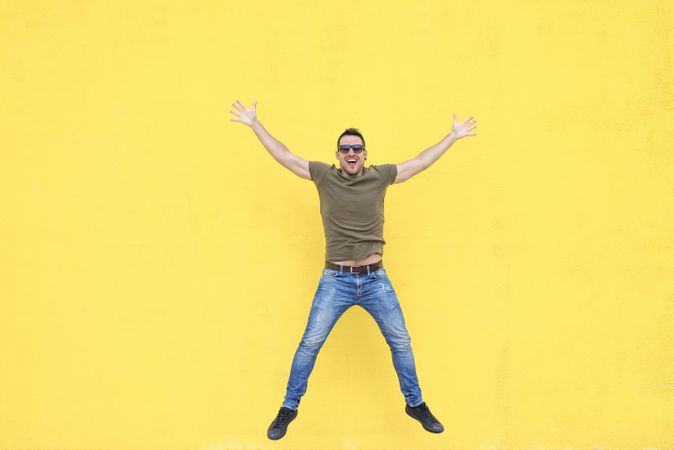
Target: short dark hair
(351, 132)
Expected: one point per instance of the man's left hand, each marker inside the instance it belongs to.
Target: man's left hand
(463, 129)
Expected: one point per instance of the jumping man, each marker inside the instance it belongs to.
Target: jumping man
(352, 207)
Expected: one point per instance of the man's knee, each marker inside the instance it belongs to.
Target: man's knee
(312, 344)
(399, 342)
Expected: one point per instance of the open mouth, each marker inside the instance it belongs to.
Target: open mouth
(351, 163)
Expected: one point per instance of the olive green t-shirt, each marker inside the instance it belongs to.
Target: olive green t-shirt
(352, 209)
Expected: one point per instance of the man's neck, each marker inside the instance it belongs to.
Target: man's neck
(345, 174)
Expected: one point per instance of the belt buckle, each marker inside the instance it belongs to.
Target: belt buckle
(351, 269)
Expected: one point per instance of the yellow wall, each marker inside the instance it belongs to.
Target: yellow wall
(157, 265)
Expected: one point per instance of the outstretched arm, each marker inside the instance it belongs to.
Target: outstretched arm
(412, 167)
(278, 151)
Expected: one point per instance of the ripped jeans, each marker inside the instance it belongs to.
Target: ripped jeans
(337, 291)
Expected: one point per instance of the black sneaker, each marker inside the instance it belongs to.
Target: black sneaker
(278, 427)
(424, 415)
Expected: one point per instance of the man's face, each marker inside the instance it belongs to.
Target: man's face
(355, 167)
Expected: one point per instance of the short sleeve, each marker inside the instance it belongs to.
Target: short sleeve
(388, 172)
(317, 170)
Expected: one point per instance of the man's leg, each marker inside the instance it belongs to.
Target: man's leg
(333, 296)
(380, 300)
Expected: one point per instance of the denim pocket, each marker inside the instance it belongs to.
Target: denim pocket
(379, 274)
(330, 272)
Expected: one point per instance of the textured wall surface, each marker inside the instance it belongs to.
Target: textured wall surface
(157, 265)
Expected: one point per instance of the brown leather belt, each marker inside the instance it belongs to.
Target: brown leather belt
(356, 269)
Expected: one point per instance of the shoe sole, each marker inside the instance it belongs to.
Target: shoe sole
(284, 432)
(422, 424)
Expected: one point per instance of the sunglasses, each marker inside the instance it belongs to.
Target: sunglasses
(344, 148)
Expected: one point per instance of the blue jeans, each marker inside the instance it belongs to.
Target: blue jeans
(338, 291)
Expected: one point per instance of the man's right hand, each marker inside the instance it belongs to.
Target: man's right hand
(278, 151)
(245, 116)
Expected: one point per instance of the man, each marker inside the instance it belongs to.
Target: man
(352, 208)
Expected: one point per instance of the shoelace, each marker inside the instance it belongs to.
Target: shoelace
(425, 412)
(283, 416)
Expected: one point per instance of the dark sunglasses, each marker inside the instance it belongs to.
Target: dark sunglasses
(344, 148)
